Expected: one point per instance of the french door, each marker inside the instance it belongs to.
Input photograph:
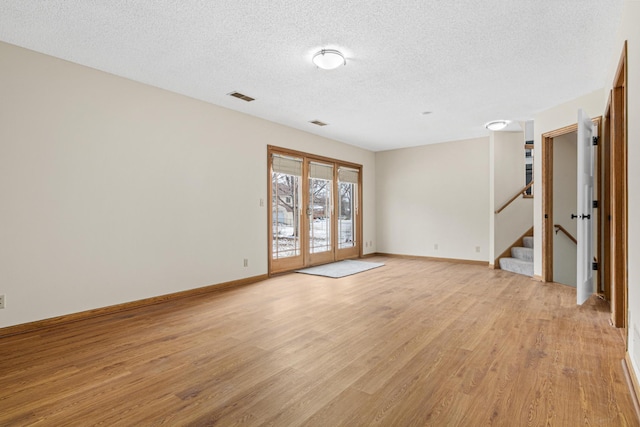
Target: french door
(314, 216)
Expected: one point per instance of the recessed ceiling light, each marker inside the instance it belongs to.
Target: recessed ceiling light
(329, 59)
(497, 124)
(318, 123)
(426, 113)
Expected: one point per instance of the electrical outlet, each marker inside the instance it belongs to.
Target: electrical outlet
(246, 262)
(435, 246)
(477, 248)
(261, 202)
(1, 301)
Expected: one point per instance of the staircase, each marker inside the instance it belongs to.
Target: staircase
(521, 260)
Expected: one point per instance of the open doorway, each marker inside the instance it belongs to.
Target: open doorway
(565, 182)
(559, 228)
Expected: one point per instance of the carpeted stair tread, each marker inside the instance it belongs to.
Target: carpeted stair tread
(516, 265)
(522, 253)
(521, 260)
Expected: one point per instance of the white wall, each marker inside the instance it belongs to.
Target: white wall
(434, 195)
(114, 191)
(630, 30)
(507, 178)
(565, 184)
(555, 118)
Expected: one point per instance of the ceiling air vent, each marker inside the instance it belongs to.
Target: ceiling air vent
(241, 96)
(318, 123)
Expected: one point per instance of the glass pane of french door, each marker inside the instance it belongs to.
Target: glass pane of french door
(319, 212)
(347, 212)
(286, 203)
(347, 193)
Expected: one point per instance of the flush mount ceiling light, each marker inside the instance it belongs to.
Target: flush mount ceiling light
(497, 124)
(329, 59)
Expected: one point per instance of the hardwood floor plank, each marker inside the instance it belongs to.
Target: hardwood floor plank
(415, 342)
(319, 393)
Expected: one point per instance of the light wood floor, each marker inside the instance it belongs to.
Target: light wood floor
(412, 343)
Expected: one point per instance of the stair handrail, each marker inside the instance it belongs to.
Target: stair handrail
(573, 239)
(558, 227)
(518, 194)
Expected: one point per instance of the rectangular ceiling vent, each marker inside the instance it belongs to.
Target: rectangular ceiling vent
(241, 96)
(318, 123)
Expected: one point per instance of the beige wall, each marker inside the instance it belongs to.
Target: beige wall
(565, 184)
(630, 30)
(434, 195)
(114, 191)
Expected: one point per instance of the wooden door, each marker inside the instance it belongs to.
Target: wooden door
(585, 208)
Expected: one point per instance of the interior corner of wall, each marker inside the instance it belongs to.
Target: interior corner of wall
(633, 340)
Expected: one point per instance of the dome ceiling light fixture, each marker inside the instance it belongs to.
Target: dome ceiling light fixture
(497, 124)
(329, 59)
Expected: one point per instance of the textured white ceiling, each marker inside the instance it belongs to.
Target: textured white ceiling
(466, 61)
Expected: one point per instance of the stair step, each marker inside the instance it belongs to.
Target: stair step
(516, 265)
(528, 241)
(525, 254)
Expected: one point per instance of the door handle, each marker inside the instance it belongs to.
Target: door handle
(585, 216)
(574, 216)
